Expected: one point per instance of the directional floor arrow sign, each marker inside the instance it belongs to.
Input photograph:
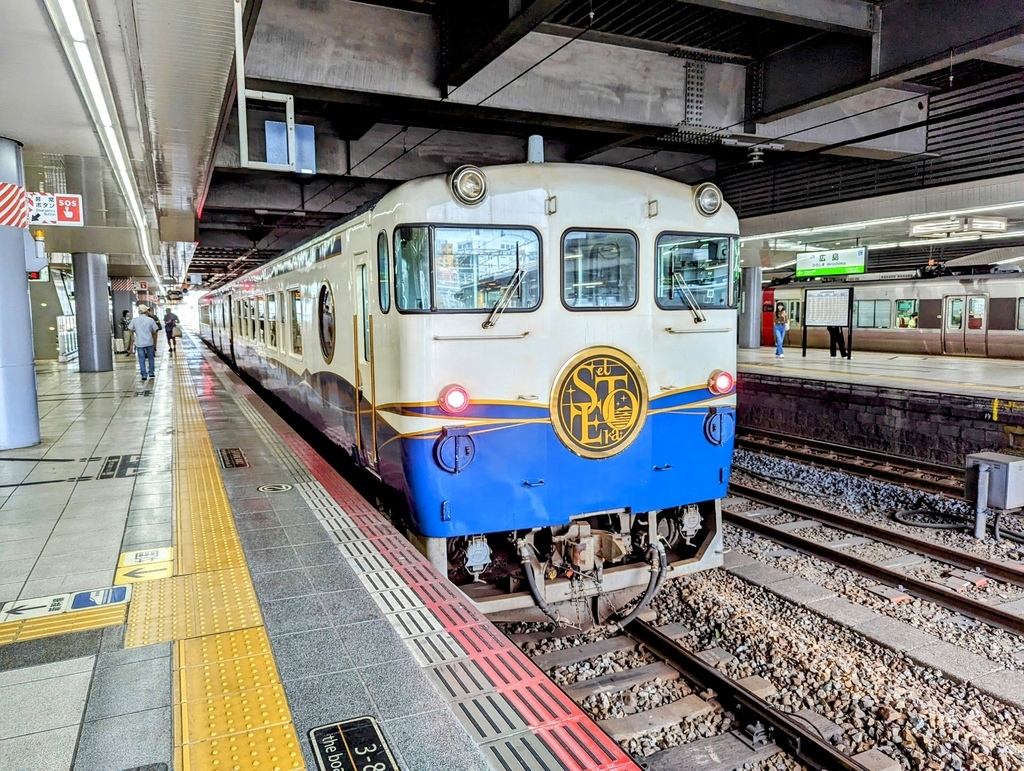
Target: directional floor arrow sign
(19, 610)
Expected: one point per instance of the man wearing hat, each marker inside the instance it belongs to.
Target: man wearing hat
(144, 328)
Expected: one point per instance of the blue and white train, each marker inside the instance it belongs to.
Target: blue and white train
(535, 360)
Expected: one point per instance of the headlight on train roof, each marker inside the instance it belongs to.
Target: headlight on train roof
(468, 184)
(708, 199)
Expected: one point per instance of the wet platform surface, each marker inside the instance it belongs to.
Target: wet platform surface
(986, 378)
(186, 584)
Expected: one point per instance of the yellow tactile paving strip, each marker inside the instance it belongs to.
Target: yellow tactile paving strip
(230, 710)
(63, 623)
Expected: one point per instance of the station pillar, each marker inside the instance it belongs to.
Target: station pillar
(19, 411)
(92, 317)
(750, 310)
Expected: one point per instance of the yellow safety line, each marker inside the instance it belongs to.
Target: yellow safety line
(230, 710)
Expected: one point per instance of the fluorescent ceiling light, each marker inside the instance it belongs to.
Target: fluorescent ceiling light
(93, 81)
(67, 8)
(987, 224)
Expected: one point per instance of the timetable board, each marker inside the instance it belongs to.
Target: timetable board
(827, 307)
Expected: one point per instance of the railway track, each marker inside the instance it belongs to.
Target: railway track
(757, 730)
(921, 475)
(892, 576)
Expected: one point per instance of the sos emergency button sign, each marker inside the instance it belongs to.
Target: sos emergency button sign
(64, 209)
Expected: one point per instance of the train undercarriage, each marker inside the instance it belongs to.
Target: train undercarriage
(598, 569)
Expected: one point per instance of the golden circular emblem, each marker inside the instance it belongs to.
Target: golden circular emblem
(599, 402)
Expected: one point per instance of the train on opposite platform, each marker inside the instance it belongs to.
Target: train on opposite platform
(536, 362)
(972, 315)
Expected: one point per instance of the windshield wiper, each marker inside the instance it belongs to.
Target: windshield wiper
(510, 291)
(684, 290)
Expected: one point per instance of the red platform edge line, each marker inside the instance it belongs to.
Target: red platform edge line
(570, 734)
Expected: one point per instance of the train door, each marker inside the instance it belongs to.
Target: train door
(965, 325)
(229, 311)
(366, 386)
(768, 317)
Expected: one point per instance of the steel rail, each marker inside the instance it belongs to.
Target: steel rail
(790, 735)
(1002, 571)
(923, 589)
(903, 471)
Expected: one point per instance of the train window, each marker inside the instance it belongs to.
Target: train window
(1020, 313)
(694, 267)
(474, 267)
(955, 316)
(325, 314)
(872, 314)
(906, 314)
(261, 316)
(383, 273)
(412, 268)
(252, 318)
(296, 319)
(272, 320)
(599, 269)
(364, 295)
(976, 313)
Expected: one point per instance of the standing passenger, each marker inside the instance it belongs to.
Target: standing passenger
(171, 322)
(835, 337)
(144, 329)
(781, 325)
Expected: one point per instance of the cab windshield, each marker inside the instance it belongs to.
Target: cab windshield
(449, 269)
(693, 268)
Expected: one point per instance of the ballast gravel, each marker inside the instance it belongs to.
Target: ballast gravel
(880, 699)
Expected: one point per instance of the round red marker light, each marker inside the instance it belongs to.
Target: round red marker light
(721, 382)
(454, 399)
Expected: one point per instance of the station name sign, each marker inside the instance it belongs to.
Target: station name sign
(838, 262)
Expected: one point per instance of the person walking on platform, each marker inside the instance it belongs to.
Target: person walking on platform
(781, 325)
(144, 328)
(835, 338)
(126, 333)
(171, 322)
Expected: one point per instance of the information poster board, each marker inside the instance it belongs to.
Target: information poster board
(827, 307)
(837, 262)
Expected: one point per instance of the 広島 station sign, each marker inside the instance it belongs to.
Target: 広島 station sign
(836, 262)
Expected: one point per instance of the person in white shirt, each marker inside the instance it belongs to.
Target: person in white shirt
(144, 329)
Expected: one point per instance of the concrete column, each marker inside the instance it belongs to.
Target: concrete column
(750, 312)
(19, 411)
(92, 317)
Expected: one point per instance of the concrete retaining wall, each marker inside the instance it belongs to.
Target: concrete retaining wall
(941, 428)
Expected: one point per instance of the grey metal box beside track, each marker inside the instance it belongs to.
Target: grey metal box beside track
(1006, 479)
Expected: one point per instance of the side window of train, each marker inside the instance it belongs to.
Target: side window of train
(295, 301)
(412, 268)
(272, 320)
(1020, 313)
(599, 269)
(261, 316)
(955, 316)
(697, 266)
(794, 311)
(906, 314)
(325, 321)
(383, 272)
(872, 314)
(976, 313)
(252, 318)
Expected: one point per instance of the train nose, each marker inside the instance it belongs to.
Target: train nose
(599, 402)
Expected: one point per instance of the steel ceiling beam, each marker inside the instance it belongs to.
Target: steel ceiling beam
(476, 32)
(851, 16)
(912, 39)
